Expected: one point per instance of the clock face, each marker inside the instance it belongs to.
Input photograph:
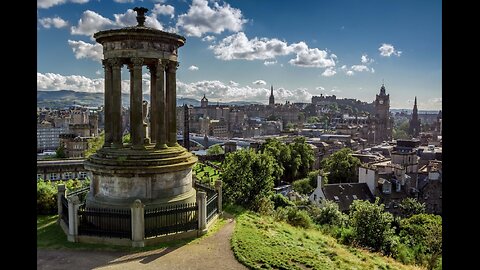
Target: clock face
(380, 101)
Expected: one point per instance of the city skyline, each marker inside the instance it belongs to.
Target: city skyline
(236, 49)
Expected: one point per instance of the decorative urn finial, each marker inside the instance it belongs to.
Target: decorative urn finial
(140, 15)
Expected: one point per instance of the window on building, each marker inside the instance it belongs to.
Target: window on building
(315, 197)
(54, 176)
(67, 176)
(39, 176)
(82, 175)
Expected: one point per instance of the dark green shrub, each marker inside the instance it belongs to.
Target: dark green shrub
(46, 197)
(303, 186)
(281, 201)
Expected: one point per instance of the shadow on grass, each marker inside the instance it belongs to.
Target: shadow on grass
(54, 251)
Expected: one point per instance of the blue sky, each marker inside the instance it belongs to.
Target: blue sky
(236, 49)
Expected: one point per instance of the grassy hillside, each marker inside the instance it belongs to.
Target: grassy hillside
(261, 243)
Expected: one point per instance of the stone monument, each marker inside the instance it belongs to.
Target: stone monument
(153, 167)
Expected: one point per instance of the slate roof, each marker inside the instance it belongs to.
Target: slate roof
(345, 193)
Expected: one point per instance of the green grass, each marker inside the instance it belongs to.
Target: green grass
(261, 243)
(201, 174)
(51, 236)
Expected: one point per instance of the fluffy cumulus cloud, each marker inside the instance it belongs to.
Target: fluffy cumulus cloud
(51, 3)
(124, 1)
(329, 72)
(216, 90)
(232, 83)
(167, 10)
(350, 73)
(202, 18)
(388, 49)
(192, 68)
(52, 81)
(209, 38)
(360, 68)
(365, 59)
(259, 82)
(238, 46)
(83, 49)
(92, 22)
(55, 22)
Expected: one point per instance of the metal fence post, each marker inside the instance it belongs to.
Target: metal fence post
(218, 187)
(61, 192)
(138, 223)
(73, 205)
(202, 212)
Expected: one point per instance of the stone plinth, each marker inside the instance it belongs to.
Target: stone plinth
(156, 177)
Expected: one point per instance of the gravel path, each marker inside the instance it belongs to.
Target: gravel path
(212, 252)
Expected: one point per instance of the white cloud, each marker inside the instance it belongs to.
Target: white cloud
(344, 67)
(82, 49)
(201, 19)
(51, 81)
(164, 10)
(99, 72)
(350, 73)
(216, 90)
(366, 60)
(232, 83)
(209, 38)
(129, 18)
(312, 58)
(372, 70)
(51, 3)
(90, 23)
(56, 22)
(334, 56)
(269, 63)
(360, 68)
(388, 50)
(320, 88)
(259, 82)
(238, 46)
(193, 68)
(329, 72)
(124, 1)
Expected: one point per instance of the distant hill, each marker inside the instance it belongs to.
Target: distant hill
(65, 98)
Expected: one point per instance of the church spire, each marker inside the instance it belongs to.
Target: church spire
(271, 100)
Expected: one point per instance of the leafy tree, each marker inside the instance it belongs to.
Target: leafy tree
(329, 213)
(313, 119)
(281, 154)
(94, 144)
(247, 177)
(215, 149)
(303, 186)
(411, 206)
(281, 201)
(371, 224)
(423, 233)
(126, 138)
(289, 125)
(46, 197)
(302, 158)
(342, 166)
(60, 153)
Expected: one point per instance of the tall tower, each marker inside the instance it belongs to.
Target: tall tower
(204, 102)
(414, 128)
(271, 100)
(383, 121)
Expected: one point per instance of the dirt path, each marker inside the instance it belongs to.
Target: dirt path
(212, 252)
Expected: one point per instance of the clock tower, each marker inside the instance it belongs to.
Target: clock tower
(382, 121)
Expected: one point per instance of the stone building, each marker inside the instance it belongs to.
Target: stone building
(271, 99)
(382, 121)
(414, 123)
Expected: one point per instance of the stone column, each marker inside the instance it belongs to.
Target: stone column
(136, 115)
(153, 102)
(218, 187)
(108, 103)
(138, 223)
(172, 103)
(161, 132)
(202, 212)
(73, 205)
(61, 192)
(116, 108)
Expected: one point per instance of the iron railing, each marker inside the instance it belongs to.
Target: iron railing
(205, 187)
(105, 222)
(171, 219)
(64, 210)
(212, 206)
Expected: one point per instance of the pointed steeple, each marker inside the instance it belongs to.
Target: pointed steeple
(271, 100)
